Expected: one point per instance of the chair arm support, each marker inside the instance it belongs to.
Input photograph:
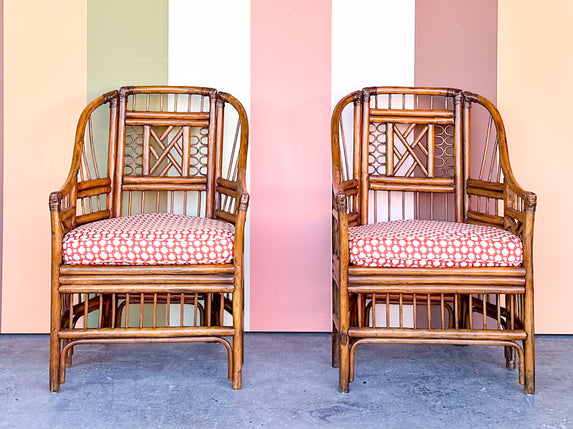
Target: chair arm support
(340, 228)
(55, 201)
(66, 193)
(241, 216)
(341, 202)
(244, 199)
(529, 197)
(62, 204)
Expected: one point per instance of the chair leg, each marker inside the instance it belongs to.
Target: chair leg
(55, 350)
(335, 316)
(509, 357)
(344, 369)
(238, 338)
(237, 360)
(529, 351)
(69, 354)
(529, 342)
(335, 347)
(55, 341)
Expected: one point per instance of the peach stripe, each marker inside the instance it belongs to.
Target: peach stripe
(534, 97)
(290, 161)
(44, 92)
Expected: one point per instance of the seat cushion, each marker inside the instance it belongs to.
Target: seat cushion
(150, 239)
(424, 243)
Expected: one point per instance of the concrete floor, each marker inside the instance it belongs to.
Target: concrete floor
(287, 382)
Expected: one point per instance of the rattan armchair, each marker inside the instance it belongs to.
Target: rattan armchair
(432, 234)
(148, 229)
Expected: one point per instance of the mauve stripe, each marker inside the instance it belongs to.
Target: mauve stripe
(456, 45)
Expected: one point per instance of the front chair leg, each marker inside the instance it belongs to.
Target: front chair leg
(237, 360)
(529, 351)
(344, 368)
(55, 351)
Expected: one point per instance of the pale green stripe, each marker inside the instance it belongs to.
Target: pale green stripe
(127, 44)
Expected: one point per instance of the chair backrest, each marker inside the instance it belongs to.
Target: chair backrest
(162, 149)
(418, 153)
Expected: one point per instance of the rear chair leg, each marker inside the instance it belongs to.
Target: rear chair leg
(509, 357)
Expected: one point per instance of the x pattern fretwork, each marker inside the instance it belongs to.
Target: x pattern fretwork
(157, 151)
(410, 153)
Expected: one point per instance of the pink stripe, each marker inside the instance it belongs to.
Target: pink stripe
(290, 165)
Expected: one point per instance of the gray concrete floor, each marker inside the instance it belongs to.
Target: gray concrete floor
(287, 382)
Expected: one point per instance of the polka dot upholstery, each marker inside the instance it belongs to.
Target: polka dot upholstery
(150, 239)
(424, 243)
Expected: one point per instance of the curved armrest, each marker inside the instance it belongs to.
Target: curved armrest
(63, 202)
(530, 198)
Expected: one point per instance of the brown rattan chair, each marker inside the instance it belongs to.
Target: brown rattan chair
(148, 229)
(432, 235)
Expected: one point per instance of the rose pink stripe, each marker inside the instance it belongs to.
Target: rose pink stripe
(290, 165)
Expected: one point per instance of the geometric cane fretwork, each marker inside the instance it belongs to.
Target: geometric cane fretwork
(377, 149)
(444, 147)
(133, 159)
(198, 151)
(410, 149)
(164, 150)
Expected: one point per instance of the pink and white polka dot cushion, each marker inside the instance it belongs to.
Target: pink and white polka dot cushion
(424, 243)
(150, 239)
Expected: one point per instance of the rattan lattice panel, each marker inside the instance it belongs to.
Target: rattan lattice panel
(377, 149)
(444, 149)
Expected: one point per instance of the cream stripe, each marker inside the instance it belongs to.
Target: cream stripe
(372, 44)
(209, 45)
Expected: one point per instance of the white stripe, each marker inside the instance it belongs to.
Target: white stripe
(372, 44)
(210, 45)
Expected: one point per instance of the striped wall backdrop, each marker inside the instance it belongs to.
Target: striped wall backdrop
(289, 62)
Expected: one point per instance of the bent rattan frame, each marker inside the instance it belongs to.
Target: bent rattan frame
(141, 150)
(462, 176)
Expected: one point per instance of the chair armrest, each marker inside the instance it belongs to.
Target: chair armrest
(62, 205)
(63, 202)
(233, 200)
(529, 198)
